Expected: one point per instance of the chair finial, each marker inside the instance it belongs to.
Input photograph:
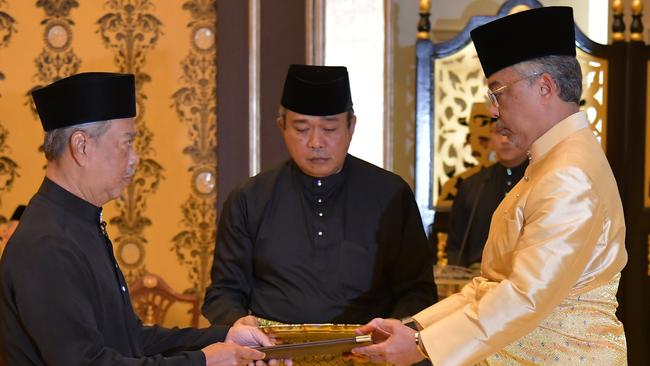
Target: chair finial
(618, 25)
(636, 28)
(424, 25)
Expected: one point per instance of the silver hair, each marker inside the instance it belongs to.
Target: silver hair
(565, 71)
(282, 115)
(56, 140)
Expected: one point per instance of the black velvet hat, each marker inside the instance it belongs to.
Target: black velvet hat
(317, 90)
(85, 97)
(524, 36)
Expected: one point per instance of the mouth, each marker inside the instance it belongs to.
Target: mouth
(502, 130)
(318, 160)
(128, 178)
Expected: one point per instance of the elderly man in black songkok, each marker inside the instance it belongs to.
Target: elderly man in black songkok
(556, 246)
(64, 300)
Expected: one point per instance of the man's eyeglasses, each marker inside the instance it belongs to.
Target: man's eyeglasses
(493, 94)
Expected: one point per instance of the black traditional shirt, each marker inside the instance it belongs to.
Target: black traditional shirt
(481, 192)
(64, 300)
(342, 249)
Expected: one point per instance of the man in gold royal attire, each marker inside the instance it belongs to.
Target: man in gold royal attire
(556, 246)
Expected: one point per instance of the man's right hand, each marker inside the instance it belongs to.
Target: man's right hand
(230, 354)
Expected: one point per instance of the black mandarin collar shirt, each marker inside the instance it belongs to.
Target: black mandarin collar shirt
(64, 300)
(341, 249)
(482, 193)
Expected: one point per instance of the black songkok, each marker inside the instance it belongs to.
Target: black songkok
(524, 36)
(317, 90)
(85, 97)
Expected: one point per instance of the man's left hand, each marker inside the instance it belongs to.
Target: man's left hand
(246, 335)
(394, 343)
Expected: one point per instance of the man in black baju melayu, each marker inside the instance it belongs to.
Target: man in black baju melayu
(63, 299)
(478, 197)
(324, 237)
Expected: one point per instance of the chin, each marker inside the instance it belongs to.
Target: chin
(319, 173)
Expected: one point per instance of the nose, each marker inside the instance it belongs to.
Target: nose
(494, 110)
(134, 159)
(315, 139)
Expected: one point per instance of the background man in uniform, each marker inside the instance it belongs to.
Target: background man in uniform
(556, 247)
(63, 298)
(324, 237)
(478, 196)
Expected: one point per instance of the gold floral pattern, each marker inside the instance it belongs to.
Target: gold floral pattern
(195, 105)
(130, 30)
(7, 28)
(57, 59)
(8, 167)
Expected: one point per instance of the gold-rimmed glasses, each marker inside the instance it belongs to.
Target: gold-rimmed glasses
(493, 94)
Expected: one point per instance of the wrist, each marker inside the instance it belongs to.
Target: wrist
(411, 323)
(420, 346)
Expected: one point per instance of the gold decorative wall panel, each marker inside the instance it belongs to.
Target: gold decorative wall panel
(164, 225)
(130, 30)
(8, 167)
(459, 83)
(57, 59)
(195, 104)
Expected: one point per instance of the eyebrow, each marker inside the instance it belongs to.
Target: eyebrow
(494, 84)
(330, 118)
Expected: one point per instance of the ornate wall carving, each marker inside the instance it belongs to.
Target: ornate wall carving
(57, 58)
(8, 167)
(130, 30)
(195, 105)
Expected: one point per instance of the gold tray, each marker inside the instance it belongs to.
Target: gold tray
(298, 333)
(294, 333)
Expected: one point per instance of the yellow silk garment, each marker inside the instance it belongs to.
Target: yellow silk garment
(550, 268)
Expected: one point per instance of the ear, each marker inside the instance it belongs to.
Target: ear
(547, 87)
(353, 123)
(79, 145)
(282, 123)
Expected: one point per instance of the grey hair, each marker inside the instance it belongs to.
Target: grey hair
(56, 140)
(565, 71)
(282, 115)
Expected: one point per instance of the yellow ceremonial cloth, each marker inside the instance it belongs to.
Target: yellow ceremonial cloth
(552, 261)
(582, 330)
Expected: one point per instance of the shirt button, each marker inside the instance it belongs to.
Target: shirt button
(320, 214)
(123, 289)
(320, 200)
(319, 183)
(320, 233)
